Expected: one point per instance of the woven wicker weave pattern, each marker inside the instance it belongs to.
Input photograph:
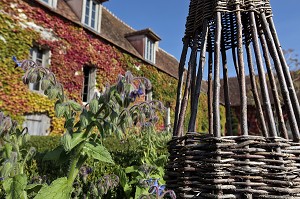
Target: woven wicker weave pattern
(235, 164)
(205, 167)
(205, 9)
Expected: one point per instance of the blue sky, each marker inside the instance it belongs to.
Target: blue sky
(167, 19)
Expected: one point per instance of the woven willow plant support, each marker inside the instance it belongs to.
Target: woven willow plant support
(244, 166)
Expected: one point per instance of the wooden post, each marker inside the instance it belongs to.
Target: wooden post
(277, 104)
(210, 87)
(180, 83)
(263, 83)
(285, 67)
(168, 117)
(195, 97)
(226, 88)
(216, 93)
(243, 96)
(255, 92)
(233, 47)
(192, 63)
(282, 83)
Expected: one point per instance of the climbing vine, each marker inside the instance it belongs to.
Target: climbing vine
(71, 47)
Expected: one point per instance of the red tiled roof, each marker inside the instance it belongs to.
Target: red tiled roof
(116, 31)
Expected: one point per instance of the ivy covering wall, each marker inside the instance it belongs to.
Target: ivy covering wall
(71, 47)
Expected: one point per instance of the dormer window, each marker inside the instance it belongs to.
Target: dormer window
(51, 3)
(149, 50)
(145, 42)
(91, 12)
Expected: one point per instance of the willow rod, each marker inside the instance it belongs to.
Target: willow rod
(195, 97)
(233, 47)
(288, 78)
(180, 82)
(261, 73)
(226, 88)
(243, 96)
(210, 87)
(282, 83)
(216, 93)
(185, 98)
(281, 124)
(255, 92)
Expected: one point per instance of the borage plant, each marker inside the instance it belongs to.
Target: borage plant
(157, 191)
(110, 112)
(13, 158)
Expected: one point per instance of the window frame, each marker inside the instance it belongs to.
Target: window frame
(91, 84)
(51, 3)
(97, 14)
(45, 62)
(149, 53)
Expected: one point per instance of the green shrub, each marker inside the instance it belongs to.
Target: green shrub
(127, 153)
(44, 143)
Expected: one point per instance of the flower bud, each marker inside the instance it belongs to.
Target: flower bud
(52, 93)
(129, 77)
(94, 105)
(120, 87)
(33, 77)
(25, 80)
(75, 106)
(45, 84)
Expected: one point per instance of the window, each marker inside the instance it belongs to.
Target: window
(89, 83)
(91, 13)
(37, 124)
(149, 50)
(51, 3)
(41, 57)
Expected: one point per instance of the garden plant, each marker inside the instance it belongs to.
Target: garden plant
(113, 113)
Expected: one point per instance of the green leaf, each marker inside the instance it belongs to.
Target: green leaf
(15, 187)
(131, 169)
(98, 152)
(8, 149)
(84, 120)
(69, 142)
(113, 115)
(54, 154)
(45, 84)
(75, 105)
(25, 138)
(59, 110)
(94, 106)
(58, 154)
(52, 93)
(122, 176)
(140, 191)
(128, 190)
(34, 188)
(69, 123)
(6, 169)
(66, 141)
(100, 128)
(119, 99)
(59, 188)
(107, 127)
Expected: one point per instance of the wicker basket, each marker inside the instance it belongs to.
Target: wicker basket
(244, 166)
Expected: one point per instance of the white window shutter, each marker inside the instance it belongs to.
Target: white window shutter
(92, 83)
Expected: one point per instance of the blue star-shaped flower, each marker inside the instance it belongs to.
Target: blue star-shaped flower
(157, 189)
(18, 63)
